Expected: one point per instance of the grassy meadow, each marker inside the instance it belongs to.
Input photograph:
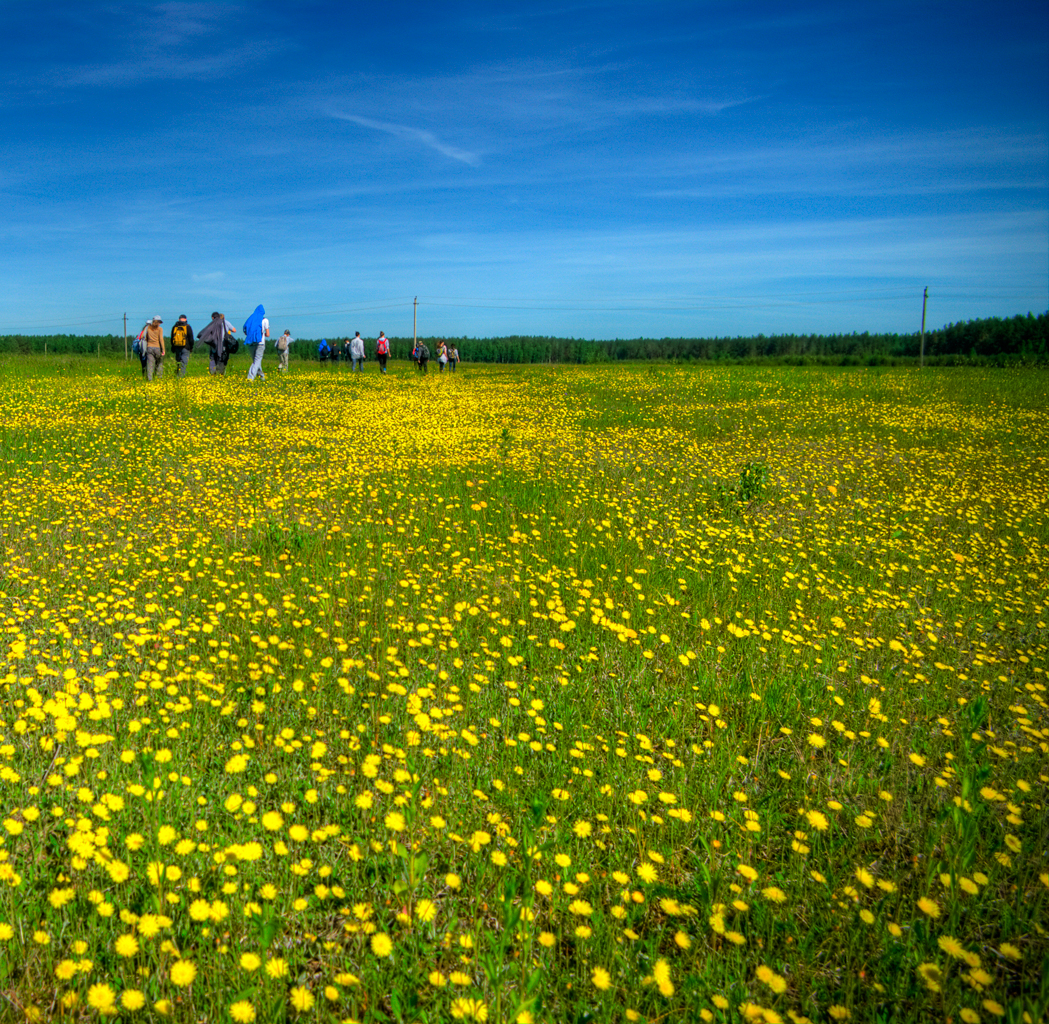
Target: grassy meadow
(626, 693)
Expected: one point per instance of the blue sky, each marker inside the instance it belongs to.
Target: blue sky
(594, 170)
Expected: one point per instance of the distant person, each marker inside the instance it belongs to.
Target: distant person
(324, 352)
(453, 359)
(424, 357)
(284, 343)
(139, 347)
(181, 345)
(382, 351)
(256, 330)
(415, 354)
(155, 348)
(357, 352)
(442, 355)
(344, 350)
(218, 336)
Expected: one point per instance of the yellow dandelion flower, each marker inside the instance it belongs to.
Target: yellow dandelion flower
(661, 974)
(183, 972)
(131, 999)
(102, 998)
(302, 999)
(126, 945)
(243, 1012)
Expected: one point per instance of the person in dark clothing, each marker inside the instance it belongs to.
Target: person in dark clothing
(424, 357)
(218, 336)
(181, 345)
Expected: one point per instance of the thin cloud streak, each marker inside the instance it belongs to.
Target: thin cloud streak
(406, 132)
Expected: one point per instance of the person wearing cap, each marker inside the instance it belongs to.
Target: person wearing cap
(155, 348)
(181, 345)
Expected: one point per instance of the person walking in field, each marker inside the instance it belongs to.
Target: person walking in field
(453, 359)
(357, 353)
(181, 345)
(424, 357)
(155, 348)
(218, 336)
(139, 346)
(284, 348)
(442, 355)
(382, 351)
(256, 331)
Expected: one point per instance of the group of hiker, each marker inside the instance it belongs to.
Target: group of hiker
(447, 355)
(221, 338)
(352, 351)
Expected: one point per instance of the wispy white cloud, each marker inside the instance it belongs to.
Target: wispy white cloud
(213, 278)
(410, 134)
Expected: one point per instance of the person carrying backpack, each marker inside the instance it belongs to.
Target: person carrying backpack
(424, 357)
(382, 351)
(324, 350)
(284, 348)
(181, 345)
(138, 346)
(218, 336)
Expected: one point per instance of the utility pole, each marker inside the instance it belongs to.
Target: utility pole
(925, 299)
(415, 314)
(125, 337)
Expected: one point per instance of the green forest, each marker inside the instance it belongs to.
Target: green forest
(998, 341)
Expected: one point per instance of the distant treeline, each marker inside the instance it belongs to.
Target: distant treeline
(994, 341)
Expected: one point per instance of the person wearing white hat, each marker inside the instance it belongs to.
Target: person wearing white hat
(155, 348)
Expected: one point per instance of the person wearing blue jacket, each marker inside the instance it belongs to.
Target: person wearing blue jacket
(256, 330)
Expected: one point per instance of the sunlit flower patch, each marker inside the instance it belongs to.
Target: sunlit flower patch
(517, 695)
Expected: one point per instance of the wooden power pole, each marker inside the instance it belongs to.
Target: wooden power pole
(125, 336)
(415, 314)
(925, 299)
